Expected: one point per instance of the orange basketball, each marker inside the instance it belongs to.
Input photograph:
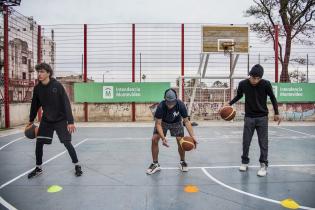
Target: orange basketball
(187, 143)
(227, 113)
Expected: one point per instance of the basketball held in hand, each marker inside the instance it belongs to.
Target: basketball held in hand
(227, 113)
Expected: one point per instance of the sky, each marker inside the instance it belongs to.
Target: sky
(136, 11)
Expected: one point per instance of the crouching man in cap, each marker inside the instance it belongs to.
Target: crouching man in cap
(170, 115)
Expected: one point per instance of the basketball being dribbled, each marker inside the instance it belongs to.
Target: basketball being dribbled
(31, 131)
(187, 143)
(227, 113)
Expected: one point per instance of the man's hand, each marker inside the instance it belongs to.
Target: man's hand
(195, 141)
(224, 105)
(71, 128)
(277, 118)
(164, 140)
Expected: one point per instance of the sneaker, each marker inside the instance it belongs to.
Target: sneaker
(183, 166)
(154, 167)
(37, 171)
(243, 167)
(78, 170)
(263, 170)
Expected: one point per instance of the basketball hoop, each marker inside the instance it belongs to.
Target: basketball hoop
(228, 47)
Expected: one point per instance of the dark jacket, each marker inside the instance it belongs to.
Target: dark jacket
(256, 98)
(54, 101)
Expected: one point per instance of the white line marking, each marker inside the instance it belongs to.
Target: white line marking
(9, 134)
(47, 161)
(307, 134)
(6, 204)
(243, 192)
(227, 167)
(11, 142)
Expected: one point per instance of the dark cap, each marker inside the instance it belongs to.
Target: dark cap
(170, 96)
(257, 71)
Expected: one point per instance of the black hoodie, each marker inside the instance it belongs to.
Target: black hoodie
(256, 98)
(54, 101)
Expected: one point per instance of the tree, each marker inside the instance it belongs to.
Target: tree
(297, 76)
(219, 84)
(297, 17)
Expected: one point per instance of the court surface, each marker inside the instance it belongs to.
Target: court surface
(114, 158)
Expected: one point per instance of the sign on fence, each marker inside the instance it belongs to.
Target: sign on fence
(294, 92)
(120, 92)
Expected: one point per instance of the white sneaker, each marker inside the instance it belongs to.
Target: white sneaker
(263, 170)
(154, 167)
(183, 166)
(243, 167)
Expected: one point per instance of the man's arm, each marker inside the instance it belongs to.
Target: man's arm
(34, 107)
(239, 95)
(71, 128)
(67, 106)
(190, 129)
(274, 102)
(158, 125)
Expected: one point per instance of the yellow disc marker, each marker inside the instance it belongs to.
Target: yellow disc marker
(191, 189)
(290, 204)
(54, 189)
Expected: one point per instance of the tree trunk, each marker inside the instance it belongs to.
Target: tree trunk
(284, 77)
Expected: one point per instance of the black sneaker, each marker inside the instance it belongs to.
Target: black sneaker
(78, 170)
(154, 167)
(37, 171)
(183, 166)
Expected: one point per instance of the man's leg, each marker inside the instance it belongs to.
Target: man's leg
(45, 134)
(154, 166)
(65, 138)
(177, 130)
(71, 151)
(262, 132)
(248, 132)
(181, 152)
(155, 147)
(39, 153)
(39, 160)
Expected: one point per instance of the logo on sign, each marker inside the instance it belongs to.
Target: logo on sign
(275, 91)
(108, 92)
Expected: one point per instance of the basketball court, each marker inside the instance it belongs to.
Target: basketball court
(115, 156)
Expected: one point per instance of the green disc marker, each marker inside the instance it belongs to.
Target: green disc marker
(54, 189)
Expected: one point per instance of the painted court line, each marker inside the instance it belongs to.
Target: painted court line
(243, 192)
(47, 161)
(11, 142)
(9, 134)
(6, 204)
(227, 167)
(307, 134)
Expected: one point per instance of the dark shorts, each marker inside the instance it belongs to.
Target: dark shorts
(46, 132)
(176, 129)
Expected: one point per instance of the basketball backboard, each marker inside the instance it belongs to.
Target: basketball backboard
(216, 38)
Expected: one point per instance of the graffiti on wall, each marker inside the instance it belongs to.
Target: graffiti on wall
(292, 112)
(289, 112)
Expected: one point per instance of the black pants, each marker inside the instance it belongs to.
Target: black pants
(45, 135)
(39, 152)
(260, 124)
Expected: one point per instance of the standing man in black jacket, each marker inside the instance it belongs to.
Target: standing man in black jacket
(256, 91)
(57, 116)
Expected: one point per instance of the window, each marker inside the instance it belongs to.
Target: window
(24, 60)
(24, 75)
